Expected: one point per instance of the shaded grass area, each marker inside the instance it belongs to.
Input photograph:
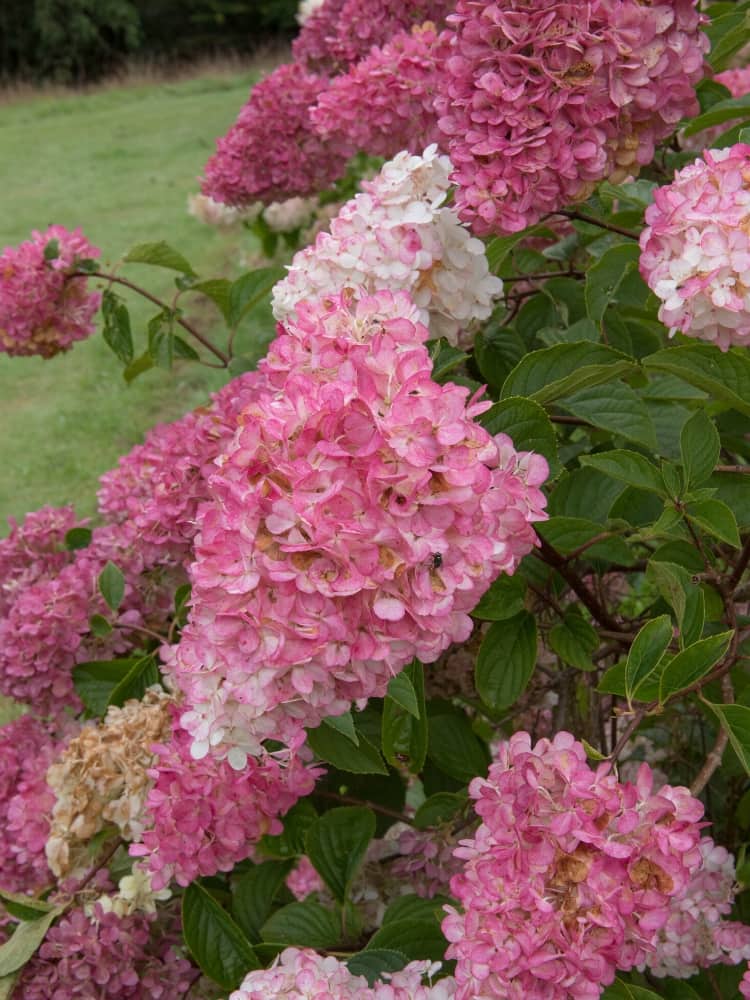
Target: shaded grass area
(120, 163)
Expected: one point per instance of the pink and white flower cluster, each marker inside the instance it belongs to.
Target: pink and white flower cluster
(357, 518)
(695, 249)
(203, 817)
(42, 309)
(302, 974)
(545, 98)
(399, 234)
(570, 876)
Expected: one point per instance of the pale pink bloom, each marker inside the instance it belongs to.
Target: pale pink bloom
(695, 250)
(43, 310)
(745, 985)
(303, 879)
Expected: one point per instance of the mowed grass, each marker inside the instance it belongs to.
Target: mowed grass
(120, 164)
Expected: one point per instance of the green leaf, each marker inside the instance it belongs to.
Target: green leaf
(699, 448)
(116, 327)
(675, 585)
(158, 254)
(215, 941)
(306, 924)
(627, 466)
(24, 907)
(567, 534)
(574, 640)
(506, 660)
(605, 277)
(218, 291)
(291, 843)
(99, 626)
(723, 375)
(445, 358)
(7, 985)
(736, 721)
(77, 538)
(246, 292)
(95, 681)
(504, 599)
(253, 895)
(372, 964)
(499, 248)
(442, 807)
(24, 941)
(112, 585)
(161, 338)
(52, 250)
(415, 939)
(410, 906)
(526, 423)
(693, 663)
(717, 519)
(728, 34)
(624, 991)
(404, 723)
(141, 364)
(336, 845)
(337, 749)
(343, 724)
(647, 650)
(554, 372)
(453, 747)
(142, 675)
(617, 408)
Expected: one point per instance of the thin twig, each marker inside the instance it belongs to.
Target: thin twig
(740, 567)
(542, 275)
(351, 800)
(592, 220)
(100, 863)
(554, 559)
(743, 469)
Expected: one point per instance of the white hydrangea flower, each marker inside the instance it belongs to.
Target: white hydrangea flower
(286, 216)
(306, 9)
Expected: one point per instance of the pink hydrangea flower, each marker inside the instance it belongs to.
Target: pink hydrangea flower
(546, 98)
(303, 879)
(695, 249)
(385, 103)
(745, 985)
(427, 862)
(696, 935)
(26, 751)
(33, 550)
(398, 234)
(204, 816)
(42, 310)
(105, 957)
(272, 152)
(570, 875)
(341, 32)
(356, 520)
(737, 81)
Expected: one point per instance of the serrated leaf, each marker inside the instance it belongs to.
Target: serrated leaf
(217, 290)
(77, 538)
(628, 467)
(693, 663)
(24, 941)
(439, 808)
(306, 925)
(504, 599)
(527, 424)
(372, 964)
(714, 517)
(246, 292)
(574, 640)
(506, 660)
(336, 845)
(614, 407)
(253, 895)
(158, 254)
(605, 277)
(723, 375)
(404, 724)
(699, 449)
(343, 724)
(554, 372)
(215, 941)
(736, 721)
(453, 746)
(112, 585)
(337, 749)
(95, 681)
(401, 690)
(649, 646)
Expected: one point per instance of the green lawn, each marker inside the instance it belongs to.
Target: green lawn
(120, 163)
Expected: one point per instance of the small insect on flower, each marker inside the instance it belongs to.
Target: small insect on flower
(437, 560)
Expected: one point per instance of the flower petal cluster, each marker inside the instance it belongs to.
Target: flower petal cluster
(426, 862)
(570, 875)
(26, 750)
(102, 956)
(204, 816)
(302, 974)
(357, 518)
(385, 103)
(272, 152)
(695, 249)
(101, 778)
(398, 234)
(42, 310)
(745, 984)
(545, 98)
(33, 550)
(696, 935)
(303, 879)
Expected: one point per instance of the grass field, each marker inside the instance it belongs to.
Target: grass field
(120, 163)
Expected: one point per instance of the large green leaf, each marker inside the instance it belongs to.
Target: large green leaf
(574, 640)
(504, 599)
(158, 254)
(555, 372)
(112, 585)
(629, 467)
(95, 681)
(336, 844)
(338, 749)
(714, 517)
(527, 424)
(620, 990)
(506, 660)
(699, 449)
(614, 407)
(723, 375)
(215, 941)
(604, 278)
(693, 663)
(736, 721)
(253, 895)
(404, 724)
(649, 645)
(414, 938)
(116, 326)
(24, 941)
(306, 925)
(453, 746)
(247, 291)
(372, 964)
